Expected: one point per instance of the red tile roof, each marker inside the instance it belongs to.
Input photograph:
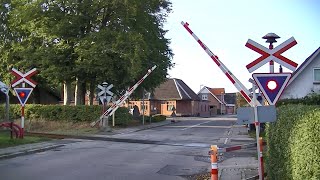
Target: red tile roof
(217, 91)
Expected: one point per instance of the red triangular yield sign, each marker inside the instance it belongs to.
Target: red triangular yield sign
(23, 94)
(271, 84)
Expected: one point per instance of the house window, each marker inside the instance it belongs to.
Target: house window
(169, 106)
(316, 75)
(144, 106)
(204, 96)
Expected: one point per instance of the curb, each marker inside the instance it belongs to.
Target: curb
(31, 151)
(99, 138)
(256, 177)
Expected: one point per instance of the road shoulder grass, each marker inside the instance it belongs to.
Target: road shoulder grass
(6, 141)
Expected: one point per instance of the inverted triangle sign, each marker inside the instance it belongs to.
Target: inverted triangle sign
(23, 94)
(105, 99)
(271, 85)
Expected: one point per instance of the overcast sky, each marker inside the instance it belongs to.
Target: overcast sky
(226, 25)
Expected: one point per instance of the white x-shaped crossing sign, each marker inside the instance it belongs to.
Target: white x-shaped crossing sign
(105, 94)
(271, 54)
(20, 77)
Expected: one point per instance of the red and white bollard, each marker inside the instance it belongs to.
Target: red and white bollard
(214, 162)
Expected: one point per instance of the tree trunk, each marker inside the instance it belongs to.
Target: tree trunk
(80, 90)
(83, 93)
(91, 95)
(66, 93)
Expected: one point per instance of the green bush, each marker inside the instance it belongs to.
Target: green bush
(154, 118)
(63, 113)
(294, 143)
(14, 112)
(80, 113)
(311, 99)
(122, 117)
(158, 118)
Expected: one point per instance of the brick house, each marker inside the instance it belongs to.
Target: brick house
(218, 101)
(230, 100)
(171, 95)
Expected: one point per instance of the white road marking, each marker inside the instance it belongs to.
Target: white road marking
(199, 126)
(225, 141)
(195, 125)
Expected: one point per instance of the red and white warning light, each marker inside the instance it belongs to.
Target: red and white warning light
(23, 93)
(272, 85)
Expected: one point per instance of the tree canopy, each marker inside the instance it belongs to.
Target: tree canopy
(88, 41)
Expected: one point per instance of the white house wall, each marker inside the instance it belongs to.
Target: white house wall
(303, 85)
(204, 91)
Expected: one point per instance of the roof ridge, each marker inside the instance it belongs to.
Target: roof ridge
(215, 96)
(183, 90)
(304, 64)
(175, 82)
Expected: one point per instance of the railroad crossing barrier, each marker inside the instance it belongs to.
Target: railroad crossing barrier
(120, 101)
(240, 87)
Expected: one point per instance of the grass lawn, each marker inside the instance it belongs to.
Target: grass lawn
(6, 141)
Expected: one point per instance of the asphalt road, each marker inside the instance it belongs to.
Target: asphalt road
(181, 149)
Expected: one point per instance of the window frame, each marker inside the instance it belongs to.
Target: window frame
(144, 106)
(170, 106)
(314, 72)
(204, 97)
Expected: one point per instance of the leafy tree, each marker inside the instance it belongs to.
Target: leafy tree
(87, 42)
(240, 101)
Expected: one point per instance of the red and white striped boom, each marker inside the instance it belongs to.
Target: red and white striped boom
(241, 88)
(120, 101)
(234, 148)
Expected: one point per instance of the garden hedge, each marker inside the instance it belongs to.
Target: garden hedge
(80, 113)
(310, 99)
(294, 143)
(154, 118)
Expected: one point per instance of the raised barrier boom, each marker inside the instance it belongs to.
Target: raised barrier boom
(240, 87)
(118, 103)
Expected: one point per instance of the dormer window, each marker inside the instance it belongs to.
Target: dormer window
(204, 97)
